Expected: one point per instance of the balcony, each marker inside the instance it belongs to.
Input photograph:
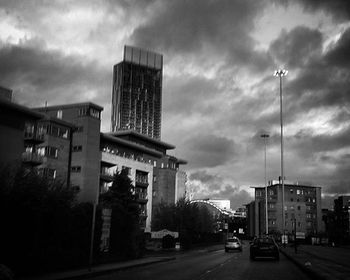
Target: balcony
(141, 197)
(33, 137)
(32, 158)
(141, 183)
(106, 176)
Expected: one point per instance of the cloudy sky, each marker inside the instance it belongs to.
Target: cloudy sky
(219, 93)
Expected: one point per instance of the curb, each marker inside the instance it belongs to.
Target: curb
(310, 272)
(88, 274)
(121, 268)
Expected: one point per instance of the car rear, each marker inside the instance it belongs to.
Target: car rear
(264, 247)
(233, 244)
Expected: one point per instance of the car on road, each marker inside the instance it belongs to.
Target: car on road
(233, 243)
(264, 247)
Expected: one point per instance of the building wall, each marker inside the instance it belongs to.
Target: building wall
(180, 185)
(85, 164)
(119, 163)
(11, 146)
(302, 204)
(13, 119)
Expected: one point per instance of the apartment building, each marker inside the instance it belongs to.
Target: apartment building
(14, 121)
(84, 165)
(34, 139)
(302, 209)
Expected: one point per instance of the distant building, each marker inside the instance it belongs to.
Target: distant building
(137, 92)
(222, 203)
(342, 219)
(302, 205)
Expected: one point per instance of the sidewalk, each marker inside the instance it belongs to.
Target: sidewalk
(323, 263)
(155, 257)
(100, 269)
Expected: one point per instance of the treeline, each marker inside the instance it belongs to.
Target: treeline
(194, 223)
(43, 227)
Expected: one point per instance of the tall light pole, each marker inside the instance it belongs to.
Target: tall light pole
(265, 136)
(281, 73)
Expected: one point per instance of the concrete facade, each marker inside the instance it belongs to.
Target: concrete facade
(302, 206)
(85, 161)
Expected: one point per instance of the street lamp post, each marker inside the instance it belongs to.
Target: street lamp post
(281, 73)
(265, 136)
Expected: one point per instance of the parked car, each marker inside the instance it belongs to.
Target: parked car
(233, 243)
(264, 247)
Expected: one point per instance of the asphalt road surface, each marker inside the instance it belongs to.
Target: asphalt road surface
(204, 265)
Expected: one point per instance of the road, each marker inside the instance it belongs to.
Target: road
(204, 265)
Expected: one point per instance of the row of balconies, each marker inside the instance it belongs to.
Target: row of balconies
(32, 158)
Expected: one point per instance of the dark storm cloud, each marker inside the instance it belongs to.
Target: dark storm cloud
(205, 177)
(339, 9)
(238, 197)
(306, 144)
(186, 94)
(188, 27)
(322, 80)
(41, 75)
(214, 182)
(339, 56)
(207, 150)
(297, 47)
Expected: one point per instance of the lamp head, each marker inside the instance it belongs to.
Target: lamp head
(280, 73)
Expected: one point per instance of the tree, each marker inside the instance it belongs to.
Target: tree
(125, 232)
(191, 221)
(42, 225)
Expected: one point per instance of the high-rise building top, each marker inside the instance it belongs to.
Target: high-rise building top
(137, 92)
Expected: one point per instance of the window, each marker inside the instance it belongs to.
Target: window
(59, 114)
(299, 224)
(82, 111)
(94, 113)
(63, 132)
(308, 216)
(127, 168)
(298, 207)
(79, 129)
(298, 192)
(77, 148)
(48, 151)
(47, 173)
(76, 169)
(51, 152)
(271, 192)
(291, 191)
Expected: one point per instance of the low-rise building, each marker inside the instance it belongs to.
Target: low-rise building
(302, 209)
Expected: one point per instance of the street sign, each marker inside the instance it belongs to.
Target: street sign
(300, 235)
